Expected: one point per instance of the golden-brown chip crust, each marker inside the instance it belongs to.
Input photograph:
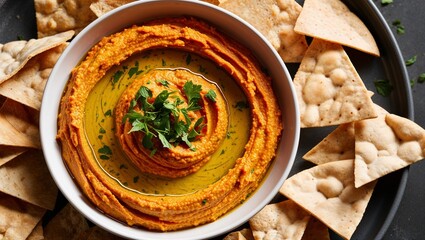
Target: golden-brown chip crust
(327, 191)
(331, 20)
(329, 89)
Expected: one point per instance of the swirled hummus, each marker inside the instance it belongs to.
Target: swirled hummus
(169, 124)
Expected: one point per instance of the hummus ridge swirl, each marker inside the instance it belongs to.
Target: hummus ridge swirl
(180, 160)
(166, 213)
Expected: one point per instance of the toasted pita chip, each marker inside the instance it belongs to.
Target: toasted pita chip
(18, 218)
(30, 81)
(331, 20)
(275, 19)
(329, 89)
(57, 16)
(8, 153)
(284, 220)
(327, 191)
(338, 145)
(68, 224)
(234, 236)
(243, 234)
(103, 6)
(316, 230)
(18, 126)
(28, 179)
(37, 233)
(14, 55)
(386, 144)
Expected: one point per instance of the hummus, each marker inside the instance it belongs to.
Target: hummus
(104, 160)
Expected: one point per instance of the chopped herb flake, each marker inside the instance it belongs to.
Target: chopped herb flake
(241, 105)
(135, 179)
(411, 61)
(412, 82)
(117, 76)
(104, 157)
(108, 113)
(162, 119)
(211, 95)
(399, 27)
(164, 83)
(383, 87)
(188, 59)
(123, 166)
(105, 150)
(386, 2)
(421, 78)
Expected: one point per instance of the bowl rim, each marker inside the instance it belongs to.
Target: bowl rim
(63, 177)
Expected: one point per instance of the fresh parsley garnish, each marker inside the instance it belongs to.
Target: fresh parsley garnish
(188, 59)
(117, 76)
(383, 87)
(241, 105)
(134, 70)
(193, 93)
(164, 83)
(399, 27)
(164, 118)
(104, 152)
(421, 78)
(386, 2)
(411, 61)
(211, 95)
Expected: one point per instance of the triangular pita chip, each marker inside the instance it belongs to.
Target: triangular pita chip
(18, 218)
(18, 126)
(37, 233)
(329, 89)
(14, 55)
(8, 153)
(327, 191)
(316, 230)
(338, 145)
(28, 178)
(331, 20)
(103, 6)
(57, 16)
(67, 224)
(28, 84)
(243, 234)
(386, 144)
(275, 19)
(283, 220)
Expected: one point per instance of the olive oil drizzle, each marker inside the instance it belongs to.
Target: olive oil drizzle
(100, 128)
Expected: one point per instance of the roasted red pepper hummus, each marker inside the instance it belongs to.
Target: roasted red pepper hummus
(159, 158)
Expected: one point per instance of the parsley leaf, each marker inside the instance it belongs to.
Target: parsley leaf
(386, 2)
(411, 61)
(421, 78)
(399, 27)
(241, 105)
(193, 94)
(162, 121)
(117, 76)
(383, 87)
(211, 95)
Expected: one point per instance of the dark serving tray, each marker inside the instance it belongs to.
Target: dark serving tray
(17, 21)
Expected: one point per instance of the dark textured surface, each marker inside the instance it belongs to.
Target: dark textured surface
(17, 20)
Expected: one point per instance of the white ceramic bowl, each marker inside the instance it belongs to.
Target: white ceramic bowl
(138, 12)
